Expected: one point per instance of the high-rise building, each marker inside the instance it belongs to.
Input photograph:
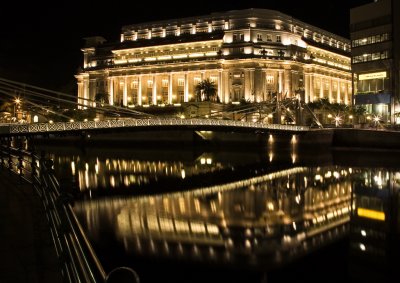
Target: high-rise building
(252, 55)
(375, 40)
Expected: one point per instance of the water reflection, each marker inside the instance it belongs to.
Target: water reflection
(268, 212)
(375, 226)
(260, 221)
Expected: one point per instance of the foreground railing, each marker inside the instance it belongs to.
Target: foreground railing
(78, 261)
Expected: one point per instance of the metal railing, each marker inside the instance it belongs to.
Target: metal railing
(78, 260)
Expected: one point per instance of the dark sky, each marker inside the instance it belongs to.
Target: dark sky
(40, 43)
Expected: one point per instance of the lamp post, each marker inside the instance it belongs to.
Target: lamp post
(16, 106)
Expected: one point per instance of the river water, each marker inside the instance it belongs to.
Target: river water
(254, 215)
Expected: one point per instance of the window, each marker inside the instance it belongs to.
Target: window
(259, 37)
(278, 38)
(150, 84)
(135, 84)
(164, 83)
(181, 82)
(370, 39)
(269, 37)
(196, 80)
(213, 79)
(238, 37)
(270, 79)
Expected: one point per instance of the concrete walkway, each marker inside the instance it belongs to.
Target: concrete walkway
(27, 253)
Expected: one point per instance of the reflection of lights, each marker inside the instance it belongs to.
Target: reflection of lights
(362, 247)
(270, 206)
(372, 214)
(183, 174)
(298, 198)
(294, 157)
(336, 174)
(294, 226)
(73, 167)
(96, 168)
(86, 167)
(318, 177)
(271, 156)
(328, 174)
(270, 139)
(247, 244)
(363, 233)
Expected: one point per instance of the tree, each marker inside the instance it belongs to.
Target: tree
(101, 98)
(206, 90)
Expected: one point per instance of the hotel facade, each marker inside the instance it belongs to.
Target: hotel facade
(252, 55)
(375, 36)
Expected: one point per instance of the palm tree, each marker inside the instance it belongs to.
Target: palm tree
(101, 98)
(206, 90)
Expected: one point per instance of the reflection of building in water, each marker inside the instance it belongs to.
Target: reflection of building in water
(269, 218)
(124, 172)
(375, 227)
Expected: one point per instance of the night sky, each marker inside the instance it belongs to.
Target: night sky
(40, 43)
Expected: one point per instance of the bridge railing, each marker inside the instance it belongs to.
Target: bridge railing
(153, 122)
(79, 262)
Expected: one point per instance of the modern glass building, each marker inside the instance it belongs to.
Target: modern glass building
(375, 57)
(252, 55)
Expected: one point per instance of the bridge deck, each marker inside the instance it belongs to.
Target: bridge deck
(27, 252)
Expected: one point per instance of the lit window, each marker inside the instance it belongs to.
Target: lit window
(150, 84)
(164, 83)
(270, 79)
(181, 82)
(213, 79)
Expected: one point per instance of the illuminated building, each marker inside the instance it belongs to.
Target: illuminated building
(375, 57)
(250, 55)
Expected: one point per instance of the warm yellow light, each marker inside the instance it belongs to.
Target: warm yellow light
(17, 100)
(372, 214)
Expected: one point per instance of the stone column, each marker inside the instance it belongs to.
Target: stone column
(330, 90)
(226, 87)
(321, 90)
(338, 91)
(125, 93)
(139, 93)
(111, 90)
(346, 93)
(287, 83)
(220, 88)
(85, 92)
(186, 91)
(307, 88)
(170, 88)
(280, 81)
(92, 92)
(247, 90)
(311, 88)
(80, 93)
(154, 93)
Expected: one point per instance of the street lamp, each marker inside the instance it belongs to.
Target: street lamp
(16, 106)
